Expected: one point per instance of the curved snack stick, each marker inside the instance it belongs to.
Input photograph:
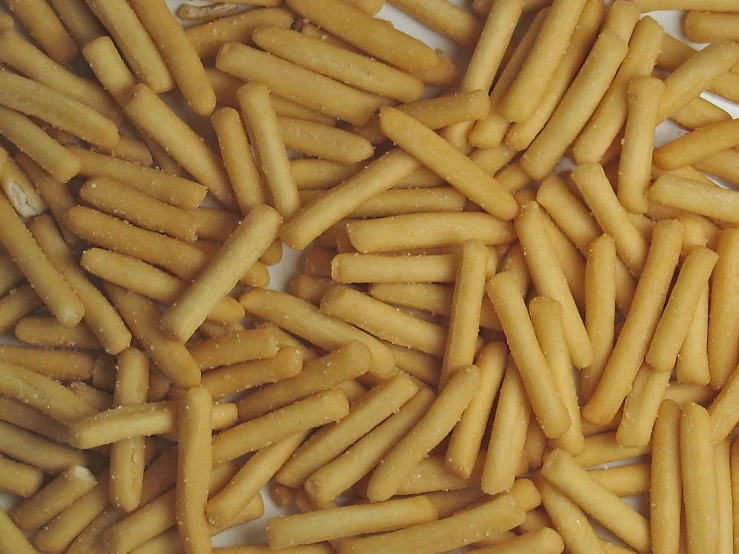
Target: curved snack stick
(178, 54)
(250, 239)
(57, 109)
(136, 45)
(44, 26)
(338, 63)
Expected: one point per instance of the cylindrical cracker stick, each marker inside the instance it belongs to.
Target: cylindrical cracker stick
(44, 26)
(680, 309)
(634, 169)
(447, 162)
(707, 27)
(704, 199)
(697, 145)
(19, 479)
(621, 19)
(264, 133)
(624, 480)
(178, 54)
(368, 34)
(692, 361)
(707, 5)
(241, 168)
(47, 331)
(641, 407)
(723, 410)
(666, 482)
(236, 347)
(546, 317)
(306, 321)
(34, 450)
(146, 280)
(144, 319)
(537, 378)
(31, 139)
(508, 434)
(10, 275)
(17, 304)
(136, 45)
(151, 114)
(369, 411)
(124, 202)
(79, 20)
(320, 174)
(428, 432)
(603, 448)
(338, 63)
(576, 106)
(373, 268)
(29, 418)
(446, 19)
(549, 279)
(695, 75)
(593, 184)
(734, 457)
(127, 456)
(100, 317)
(561, 470)
(298, 84)
(241, 250)
(722, 461)
(468, 526)
(323, 141)
(193, 471)
(608, 119)
(530, 84)
(14, 540)
(177, 191)
(252, 435)
(348, 362)
(209, 37)
(41, 508)
(723, 329)
(700, 492)
(330, 208)
(642, 320)
(545, 540)
(340, 522)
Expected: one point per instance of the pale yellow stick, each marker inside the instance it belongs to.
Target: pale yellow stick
(624, 480)
(151, 114)
(446, 19)
(241, 168)
(265, 135)
(136, 45)
(608, 119)
(700, 493)
(632, 343)
(634, 169)
(680, 309)
(100, 317)
(550, 280)
(704, 199)
(707, 27)
(641, 407)
(302, 86)
(370, 35)
(79, 20)
(305, 320)
(178, 54)
(723, 409)
(593, 184)
(723, 330)
(692, 361)
(697, 145)
(722, 454)
(127, 457)
(666, 482)
(45, 27)
(313, 411)
(338, 63)
(546, 316)
(427, 433)
(241, 250)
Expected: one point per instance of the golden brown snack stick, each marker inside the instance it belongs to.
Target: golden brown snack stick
(666, 482)
(44, 26)
(18, 303)
(303, 86)
(545, 540)
(19, 479)
(254, 234)
(625, 480)
(723, 409)
(709, 200)
(700, 489)
(14, 540)
(306, 321)
(641, 407)
(319, 174)
(242, 170)
(144, 319)
(10, 275)
(136, 45)
(97, 399)
(178, 54)
(269, 147)
(427, 433)
(209, 37)
(79, 20)
(236, 347)
(41, 508)
(722, 457)
(706, 27)
(32, 449)
(368, 34)
(156, 119)
(444, 18)
(174, 190)
(348, 362)
(313, 411)
(132, 150)
(29, 418)
(338, 63)
(549, 279)
(48, 332)
(734, 482)
(631, 345)
(697, 145)
(707, 5)
(724, 165)
(634, 170)
(692, 361)
(193, 471)
(20, 191)
(324, 141)
(471, 525)
(373, 268)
